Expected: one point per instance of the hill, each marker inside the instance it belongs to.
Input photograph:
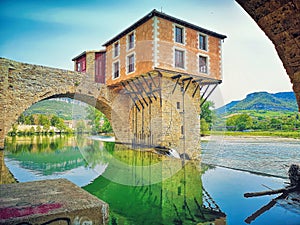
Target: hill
(282, 101)
(67, 109)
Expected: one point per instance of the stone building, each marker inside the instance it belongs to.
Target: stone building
(159, 68)
(155, 42)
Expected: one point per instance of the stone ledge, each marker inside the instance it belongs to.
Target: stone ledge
(50, 202)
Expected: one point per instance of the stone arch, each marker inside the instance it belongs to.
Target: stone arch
(280, 20)
(23, 84)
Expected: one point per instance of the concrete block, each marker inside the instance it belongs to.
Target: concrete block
(50, 202)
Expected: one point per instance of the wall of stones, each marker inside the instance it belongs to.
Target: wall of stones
(280, 20)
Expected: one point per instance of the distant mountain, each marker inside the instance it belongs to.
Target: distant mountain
(65, 108)
(282, 101)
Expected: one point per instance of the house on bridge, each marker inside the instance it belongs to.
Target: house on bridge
(156, 42)
(160, 69)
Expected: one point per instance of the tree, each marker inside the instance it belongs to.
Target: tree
(204, 127)
(54, 120)
(239, 122)
(98, 121)
(80, 126)
(106, 127)
(60, 125)
(207, 112)
(29, 120)
(43, 120)
(21, 119)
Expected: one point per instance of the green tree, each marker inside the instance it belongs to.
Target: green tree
(43, 120)
(106, 127)
(98, 121)
(29, 120)
(61, 125)
(21, 119)
(80, 126)
(204, 127)
(54, 120)
(207, 112)
(39, 129)
(14, 130)
(239, 122)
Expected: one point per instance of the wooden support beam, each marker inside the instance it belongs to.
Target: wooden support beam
(188, 84)
(149, 87)
(139, 92)
(209, 94)
(177, 81)
(132, 89)
(133, 100)
(143, 89)
(195, 91)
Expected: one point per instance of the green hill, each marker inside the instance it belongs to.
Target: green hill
(263, 101)
(67, 109)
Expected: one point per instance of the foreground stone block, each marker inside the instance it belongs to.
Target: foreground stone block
(50, 202)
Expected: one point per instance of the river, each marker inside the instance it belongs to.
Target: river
(142, 187)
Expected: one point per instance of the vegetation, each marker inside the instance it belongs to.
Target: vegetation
(42, 125)
(257, 122)
(207, 117)
(49, 117)
(67, 109)
(279, 102)
(98, 121)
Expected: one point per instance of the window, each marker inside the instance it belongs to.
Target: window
(116, 70)
(130, 60)
(179, 34)
(116, 49)
(179, 58)
(203, 42)
(78, 67)
(203, 64)
(130, 41)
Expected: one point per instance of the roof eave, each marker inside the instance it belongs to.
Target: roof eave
(164, 16)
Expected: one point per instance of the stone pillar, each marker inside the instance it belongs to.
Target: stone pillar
(4, 65)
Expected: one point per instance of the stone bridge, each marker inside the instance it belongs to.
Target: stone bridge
(23, 85)
(280, 20)
(138, 117)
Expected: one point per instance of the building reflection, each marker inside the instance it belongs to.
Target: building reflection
(142, 187)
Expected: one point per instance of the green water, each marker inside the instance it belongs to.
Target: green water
(142, 187)
(178, 199)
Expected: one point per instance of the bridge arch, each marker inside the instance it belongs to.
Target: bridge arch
(23, 85)
(280, 20)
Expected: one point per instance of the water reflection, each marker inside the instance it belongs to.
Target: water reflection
(177, 200)
(44, 155)
(141, 187)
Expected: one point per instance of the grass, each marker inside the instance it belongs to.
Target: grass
(282, 134)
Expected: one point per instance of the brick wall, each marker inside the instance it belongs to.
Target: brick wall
(166, 46)
(142, 51)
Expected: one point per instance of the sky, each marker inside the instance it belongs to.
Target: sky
(52, 32)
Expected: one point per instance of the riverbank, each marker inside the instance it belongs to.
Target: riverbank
(273, 134)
